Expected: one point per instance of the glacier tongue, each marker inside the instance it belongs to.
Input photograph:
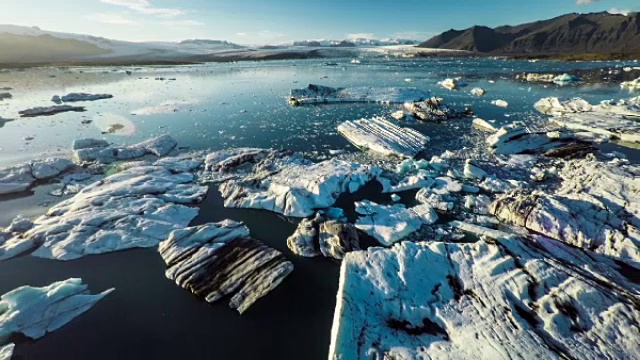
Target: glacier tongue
(35, 311)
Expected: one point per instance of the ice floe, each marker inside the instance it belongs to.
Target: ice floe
(382, 136)
(21, 177)
(391, 223)
(597, 207)
(217, 260)
(504, 298)
(478, 92)
(50, 110)
(452, 84)
(75, 97)
(137, 207)
(631, 85)
(433, 109)
(563, 79)
(483, 125)
(36, 311)
(516, 138)
(500, 103)
(613, 119)
(291, 185)
(6, 351)
(318, 94)
(327, 234)
(100, 151)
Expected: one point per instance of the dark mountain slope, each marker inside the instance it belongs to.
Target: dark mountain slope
(573, 33)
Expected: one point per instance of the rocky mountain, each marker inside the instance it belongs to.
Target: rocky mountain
(572, 33)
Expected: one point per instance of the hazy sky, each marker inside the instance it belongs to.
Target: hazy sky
(277, 21)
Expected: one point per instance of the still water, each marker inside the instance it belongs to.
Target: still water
(215, 106)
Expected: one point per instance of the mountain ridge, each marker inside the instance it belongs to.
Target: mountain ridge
(567, 34)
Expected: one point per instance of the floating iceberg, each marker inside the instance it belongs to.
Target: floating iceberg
(137, 207)
(218, 260)
(51, 110)
(35, 311)
(318, 94)
(100, 151)
(75, 97)
(21, 177)
(297, 188)
(390, 224)
(6, 351)
(515, 138)
(597, 207)
(384, 137)
(631, 85)
(613, 119)
(507, 298)
(433, 109)
(483, 125)
(327, 234)
(478, 92)
(452, 84)
(500, 103)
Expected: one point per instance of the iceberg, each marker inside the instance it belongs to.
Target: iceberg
(503, 298)
(217, 260)
(392, 223)
(297, 188)
(500, 103)
(318, 94)
(75, 97)
(36, 311)
(137, 207)
(87, 150)
(327, 234)
(6, 351)
(597, 207)
(21, 177)
(50, 110)
(381, 136)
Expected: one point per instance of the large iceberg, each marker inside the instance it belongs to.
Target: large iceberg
(506, 298)
(214, 261)
(318, 94)
(137, 207)
(613, 119)
(294, 187)
(597, 207)
(384, 137)
(35, 311)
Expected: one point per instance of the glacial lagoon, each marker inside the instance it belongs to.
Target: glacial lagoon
(214, 107)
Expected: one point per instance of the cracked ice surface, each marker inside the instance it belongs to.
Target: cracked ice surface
(36, 311)
(509, 298)
(318, 94)
(219, 259)
(597, 207)
(384, 137)
(137, 207)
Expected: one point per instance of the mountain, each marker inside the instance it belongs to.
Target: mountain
(567, 34)
(22, 44)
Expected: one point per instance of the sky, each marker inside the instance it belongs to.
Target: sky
(280, 21)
